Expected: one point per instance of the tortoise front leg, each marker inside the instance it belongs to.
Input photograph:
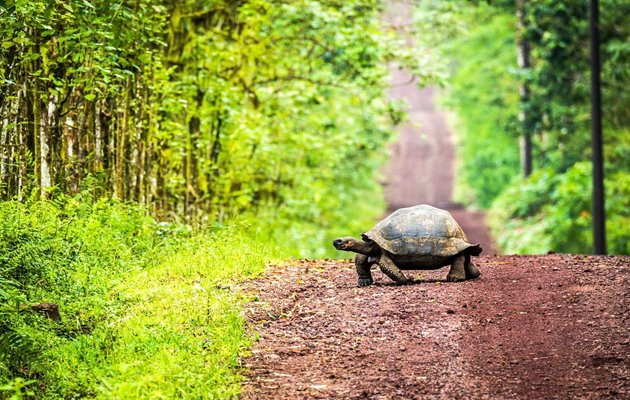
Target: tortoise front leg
(363, 266)
(390, 269)
(457, 272)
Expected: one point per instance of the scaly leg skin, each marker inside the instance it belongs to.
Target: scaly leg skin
(471, 269)
(391, 270)
(457, 272)
(363, 266)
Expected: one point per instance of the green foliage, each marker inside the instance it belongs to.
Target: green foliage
(553, 212)
(560, 79)
(201, 110)
(618, 214)
(204, 111)
(147, 309)
(18, 389)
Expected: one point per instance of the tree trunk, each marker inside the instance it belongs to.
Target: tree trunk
(47, 112)
(98, 138)
(122, 126)
(523, 57)
(70, 153)
(82, 139)
(5, 187)
(25, 123)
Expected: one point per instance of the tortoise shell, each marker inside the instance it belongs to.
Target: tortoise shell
(421, 231)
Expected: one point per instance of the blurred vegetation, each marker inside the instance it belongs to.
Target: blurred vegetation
(550, 210)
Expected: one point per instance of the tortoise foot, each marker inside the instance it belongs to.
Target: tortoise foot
(455, 277)
(365, 282)
(472, 271)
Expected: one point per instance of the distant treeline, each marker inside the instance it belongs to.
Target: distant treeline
(195, 108)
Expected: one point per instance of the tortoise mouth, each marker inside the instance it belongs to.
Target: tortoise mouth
(339, 244)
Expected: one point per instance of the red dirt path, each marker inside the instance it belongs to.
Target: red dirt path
(531, 327)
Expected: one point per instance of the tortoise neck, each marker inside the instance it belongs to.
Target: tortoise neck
(367, 248)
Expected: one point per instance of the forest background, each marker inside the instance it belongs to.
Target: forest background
(155, 153)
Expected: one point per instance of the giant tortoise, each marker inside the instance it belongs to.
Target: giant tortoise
(420, 237)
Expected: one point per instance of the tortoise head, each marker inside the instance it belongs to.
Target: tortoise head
(345, 243)
(366, 247)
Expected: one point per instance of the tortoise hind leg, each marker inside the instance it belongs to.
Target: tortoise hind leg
(457, 272)
(363, 265)
(471, 269)
(390, 269)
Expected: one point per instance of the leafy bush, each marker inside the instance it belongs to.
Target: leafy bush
(618, 212)
(553, 212)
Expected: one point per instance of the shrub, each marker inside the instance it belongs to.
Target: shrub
(553, 212)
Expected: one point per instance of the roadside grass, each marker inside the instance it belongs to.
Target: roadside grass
(148, 310)
(181, 334)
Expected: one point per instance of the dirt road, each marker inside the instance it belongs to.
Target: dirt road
(531, 327)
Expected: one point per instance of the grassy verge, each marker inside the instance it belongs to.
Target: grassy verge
(148, 310)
